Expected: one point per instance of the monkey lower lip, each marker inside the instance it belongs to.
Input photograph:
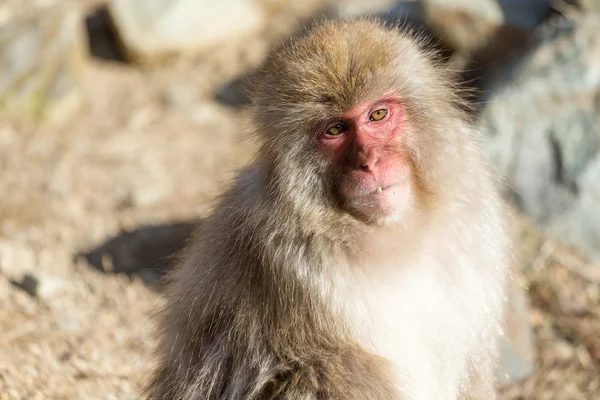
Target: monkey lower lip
(378, 190)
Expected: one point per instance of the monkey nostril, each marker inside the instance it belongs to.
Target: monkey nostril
(367, 163)
(366, 159)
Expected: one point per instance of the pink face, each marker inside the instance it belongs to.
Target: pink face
(364, 146)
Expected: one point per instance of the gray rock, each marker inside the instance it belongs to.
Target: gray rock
(50, 287)
(543, 122)
(580, 225)
(42, 58)
(151, 30)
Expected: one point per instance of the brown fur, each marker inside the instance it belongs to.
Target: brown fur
(259, 305)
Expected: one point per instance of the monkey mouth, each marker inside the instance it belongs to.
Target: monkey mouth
(365, 194)
(381, 201)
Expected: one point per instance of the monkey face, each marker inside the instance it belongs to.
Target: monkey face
(362, 122)
(364, 148)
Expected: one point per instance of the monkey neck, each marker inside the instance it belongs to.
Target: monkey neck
(338, 235)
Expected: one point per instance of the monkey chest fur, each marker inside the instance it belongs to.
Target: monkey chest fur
(427, 318)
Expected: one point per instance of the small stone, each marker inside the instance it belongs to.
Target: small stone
(151, 30)
(42, 58)
(50, 286)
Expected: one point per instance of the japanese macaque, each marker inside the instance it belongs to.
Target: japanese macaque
(363, 255)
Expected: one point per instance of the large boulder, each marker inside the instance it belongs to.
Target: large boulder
(543, 120)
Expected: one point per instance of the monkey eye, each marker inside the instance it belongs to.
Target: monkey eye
(336, 129)
(378, 115)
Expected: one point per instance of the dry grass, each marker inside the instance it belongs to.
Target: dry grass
(154, 146)
(564, 295)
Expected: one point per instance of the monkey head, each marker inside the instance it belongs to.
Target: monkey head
(357, 121)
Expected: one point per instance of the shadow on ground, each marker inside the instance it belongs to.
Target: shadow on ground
(148, 251)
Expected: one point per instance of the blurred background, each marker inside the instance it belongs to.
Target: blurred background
(120, 120)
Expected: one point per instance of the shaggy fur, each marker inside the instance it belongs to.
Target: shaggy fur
(284, 294)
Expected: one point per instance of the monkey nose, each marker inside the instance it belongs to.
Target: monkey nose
(367, 162)
(366, 159)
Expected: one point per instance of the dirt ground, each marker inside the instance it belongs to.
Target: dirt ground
(153, 146)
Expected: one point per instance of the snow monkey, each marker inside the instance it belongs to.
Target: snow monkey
(362, 255)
